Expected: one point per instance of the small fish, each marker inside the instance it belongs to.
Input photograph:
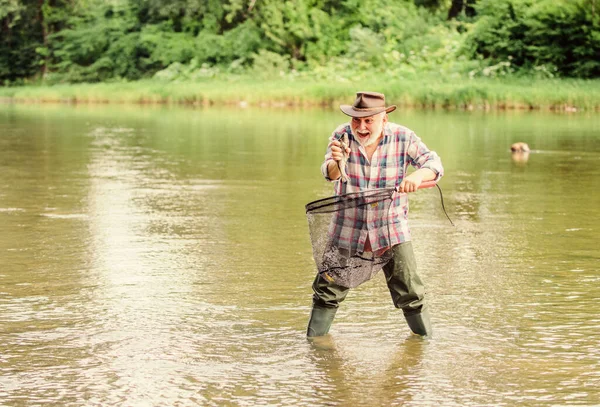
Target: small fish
(344, 144)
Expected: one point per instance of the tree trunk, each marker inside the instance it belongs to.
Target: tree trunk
(470, 9)
(42, 21)
(458, 6)
(455, 9)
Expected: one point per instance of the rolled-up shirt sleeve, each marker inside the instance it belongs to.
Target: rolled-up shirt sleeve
(423, 157)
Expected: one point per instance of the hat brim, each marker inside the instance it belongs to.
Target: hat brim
(350, 111)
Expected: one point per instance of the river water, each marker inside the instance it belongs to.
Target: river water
(154, 256)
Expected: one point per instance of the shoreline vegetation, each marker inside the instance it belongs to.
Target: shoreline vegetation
(427, 54)
(566, 95)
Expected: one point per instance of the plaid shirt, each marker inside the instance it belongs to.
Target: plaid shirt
(384, 226)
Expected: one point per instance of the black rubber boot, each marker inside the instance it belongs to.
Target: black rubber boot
(419, 323)
(320, 321)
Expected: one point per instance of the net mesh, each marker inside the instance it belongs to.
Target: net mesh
(343, 230)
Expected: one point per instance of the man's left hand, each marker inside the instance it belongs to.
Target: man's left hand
(410, 183)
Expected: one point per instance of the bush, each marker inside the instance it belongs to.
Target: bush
(239, 42)
(268, 64)
(555, 36)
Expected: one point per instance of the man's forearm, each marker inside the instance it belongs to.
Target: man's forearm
(333, 170)
(425, 174)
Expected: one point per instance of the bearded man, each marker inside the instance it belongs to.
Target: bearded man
(377, 156)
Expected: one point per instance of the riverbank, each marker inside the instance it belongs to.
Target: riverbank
(433, 92)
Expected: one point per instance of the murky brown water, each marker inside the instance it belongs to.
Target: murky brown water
(154, 256)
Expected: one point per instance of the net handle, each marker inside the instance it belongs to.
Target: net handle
(425, 184)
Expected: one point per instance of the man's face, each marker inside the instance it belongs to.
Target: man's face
(368, 129)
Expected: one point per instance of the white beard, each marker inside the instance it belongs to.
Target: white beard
(373, 137)
(371, 140)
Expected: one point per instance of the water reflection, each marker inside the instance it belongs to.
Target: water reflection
(520, 157)
(362, 374)
(149, 266)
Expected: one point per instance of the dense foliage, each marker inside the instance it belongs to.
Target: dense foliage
(94, 41)
(556, 36)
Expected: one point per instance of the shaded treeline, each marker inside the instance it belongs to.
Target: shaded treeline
(94, 41)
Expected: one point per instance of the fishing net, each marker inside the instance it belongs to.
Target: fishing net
(350, 235)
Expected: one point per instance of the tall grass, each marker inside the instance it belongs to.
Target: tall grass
(426, 92)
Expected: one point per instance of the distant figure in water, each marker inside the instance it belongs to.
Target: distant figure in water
(520, 152)
(520, 147)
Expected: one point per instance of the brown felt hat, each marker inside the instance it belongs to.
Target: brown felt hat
(367, 104)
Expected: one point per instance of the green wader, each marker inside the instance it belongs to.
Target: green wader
(404, 284)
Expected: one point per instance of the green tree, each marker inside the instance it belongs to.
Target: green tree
(20, 35)
(561, 37)
(25, 28)
(86, 40)
(291, 25)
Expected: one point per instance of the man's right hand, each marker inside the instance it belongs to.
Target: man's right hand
(336, 150)
(333, 167)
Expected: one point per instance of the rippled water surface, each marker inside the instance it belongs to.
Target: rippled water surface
(154, 256)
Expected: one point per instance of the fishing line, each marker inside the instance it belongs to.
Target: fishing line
(430, 184)
(443, 206)
(423, 185)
